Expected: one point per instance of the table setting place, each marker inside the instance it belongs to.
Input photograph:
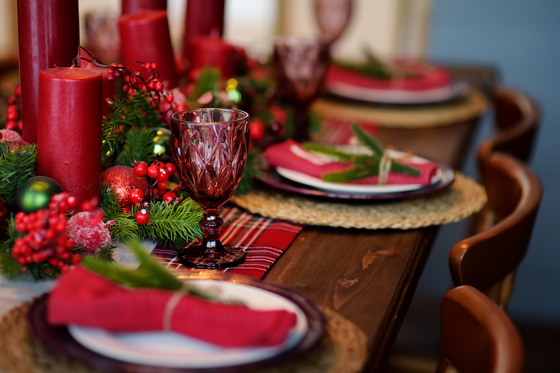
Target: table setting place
(143, 201)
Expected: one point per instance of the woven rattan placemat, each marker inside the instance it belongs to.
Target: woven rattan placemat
(462, 199)
(343, 349)
(419, 116)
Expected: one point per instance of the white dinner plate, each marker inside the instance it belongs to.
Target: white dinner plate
(169, 349)
(320, 184)
(396, 96)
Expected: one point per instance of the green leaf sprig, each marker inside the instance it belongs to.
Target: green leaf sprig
(364, 165)
(150, 274)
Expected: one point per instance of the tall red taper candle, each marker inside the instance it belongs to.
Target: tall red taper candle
(145, 37)
(130, 6)
(48, 36)
(202, 18)
(69, 133)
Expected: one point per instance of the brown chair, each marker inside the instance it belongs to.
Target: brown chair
(516, 119)
(477, 336)
(489, 259)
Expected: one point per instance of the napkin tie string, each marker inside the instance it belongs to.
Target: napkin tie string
(384, 168)
(170, 307)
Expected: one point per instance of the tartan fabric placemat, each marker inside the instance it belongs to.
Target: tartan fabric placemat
(263, 239)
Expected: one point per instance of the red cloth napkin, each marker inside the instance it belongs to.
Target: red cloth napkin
(85, 298)
(427, 78)
(291, 155)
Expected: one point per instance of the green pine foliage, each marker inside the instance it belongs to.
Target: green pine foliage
(15, 167)
(138, 146)
(127, 113)
(174, 225)
(9, 266)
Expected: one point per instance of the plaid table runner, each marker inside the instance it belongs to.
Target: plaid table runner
(263, 239)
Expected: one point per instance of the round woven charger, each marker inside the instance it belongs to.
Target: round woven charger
(342, 349)
(462, 199)
(420, 116)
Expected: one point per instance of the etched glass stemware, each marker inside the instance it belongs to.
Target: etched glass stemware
(209, 149)
(333, 17)
(300, 66)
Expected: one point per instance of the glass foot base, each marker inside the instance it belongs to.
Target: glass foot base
(211, 260)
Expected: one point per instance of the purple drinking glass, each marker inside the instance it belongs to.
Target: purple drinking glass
(209, 150)
(333, 17)
(300, 67)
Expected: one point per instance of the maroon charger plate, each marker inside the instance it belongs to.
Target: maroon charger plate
(58, 340)
(272, 179)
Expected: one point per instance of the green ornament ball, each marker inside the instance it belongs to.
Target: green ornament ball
(35, 193)
(162, 141)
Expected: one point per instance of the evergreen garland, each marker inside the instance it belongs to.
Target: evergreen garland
(17, 164)
(131, 114)
(138, 146)
(174, 224)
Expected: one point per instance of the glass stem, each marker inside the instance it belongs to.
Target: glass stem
(211, 225)
(301, 122)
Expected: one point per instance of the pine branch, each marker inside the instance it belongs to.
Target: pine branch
(174, 225)
(139, 146)
(15, 167)
(9, 266)
(122, 225)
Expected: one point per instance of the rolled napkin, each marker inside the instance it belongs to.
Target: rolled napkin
(292, 156)
(84, 298)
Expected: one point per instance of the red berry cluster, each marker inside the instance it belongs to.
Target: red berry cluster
(46, 239)
(13, 120)
(159, 186)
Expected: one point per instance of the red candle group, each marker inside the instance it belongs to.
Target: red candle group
(145, 37)
(69, 134)
(48, 36)
(130, 6)
(202, 18)
(213, 52)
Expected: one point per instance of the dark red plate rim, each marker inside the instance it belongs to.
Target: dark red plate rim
(272, 179)
(58, 340)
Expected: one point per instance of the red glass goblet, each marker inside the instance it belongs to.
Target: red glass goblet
(209, 149)
(300, 66)
(333, 17)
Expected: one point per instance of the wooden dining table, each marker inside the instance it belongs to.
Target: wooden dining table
(369, 276)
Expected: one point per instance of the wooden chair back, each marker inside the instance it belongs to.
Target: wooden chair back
(489, 259)
(477, 336)
(516, 119)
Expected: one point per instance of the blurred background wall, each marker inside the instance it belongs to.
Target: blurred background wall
(520, 37)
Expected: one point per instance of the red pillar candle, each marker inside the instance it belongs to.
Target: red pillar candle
(145, 37)
(48, 36)
(69, 134)
(213, 52)
(108, 86)
(130, 6)
(202, 18)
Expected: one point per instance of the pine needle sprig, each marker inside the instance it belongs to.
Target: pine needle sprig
(16, 165)
(121, 224)
(9, 266)
(174, 224)
(139, 146)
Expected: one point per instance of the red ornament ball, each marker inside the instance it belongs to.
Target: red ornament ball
(123, 180)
